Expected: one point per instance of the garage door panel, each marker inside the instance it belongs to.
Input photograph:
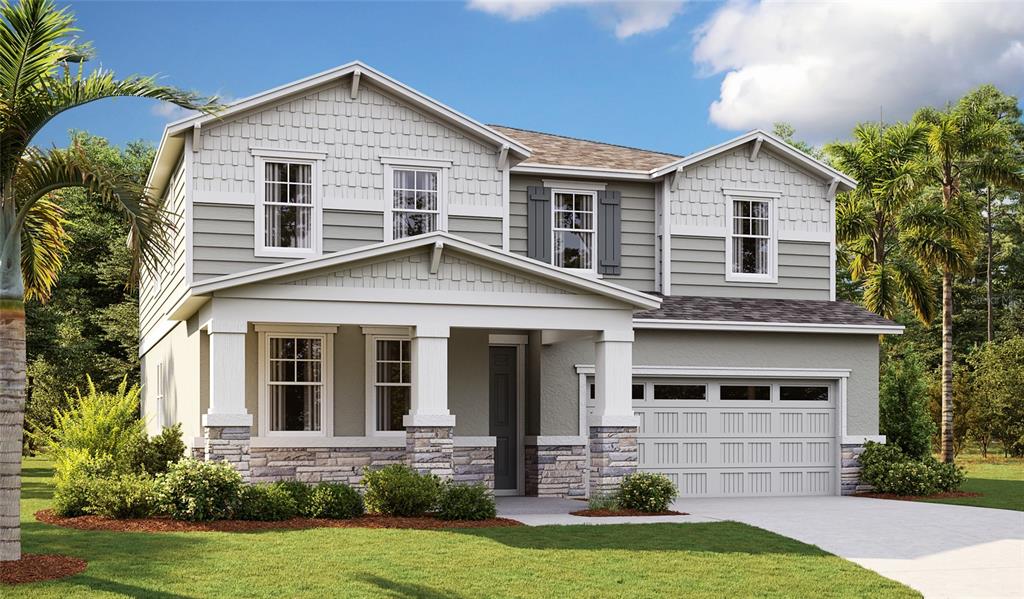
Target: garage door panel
(735, 453)
(719, 482)
(728, 422)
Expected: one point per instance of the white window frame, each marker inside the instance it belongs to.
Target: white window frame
(441, 167)
(315, 161)
(771, 198)
(160, 396)
(373, 335)
(326, 336)
(594, 242)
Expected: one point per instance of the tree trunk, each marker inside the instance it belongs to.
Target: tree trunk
(12, 386)
(947, 366)
(988, 265)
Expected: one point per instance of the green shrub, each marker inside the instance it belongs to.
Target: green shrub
(96, 425)
(603, 501)
(398, 490)
(265, 502)
(299, 491)
(908, 478)
(903, 412)
(466, 502)
(195, 490)
(162, 450)
(647, 492)
(122, 496)
(74, 479)
(876, 459)
(948, 477)
(71, 497)
(334, 500)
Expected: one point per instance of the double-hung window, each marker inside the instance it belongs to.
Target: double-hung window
(295, 383)
(415, 202)
(751, 245)
(392, 382)
(574, 229)
(288, 206)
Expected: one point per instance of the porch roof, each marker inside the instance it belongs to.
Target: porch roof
(439, 242)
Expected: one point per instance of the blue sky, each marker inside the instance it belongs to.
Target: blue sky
(666, 75)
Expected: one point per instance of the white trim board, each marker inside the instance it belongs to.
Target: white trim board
(765, 327)
(729, 372)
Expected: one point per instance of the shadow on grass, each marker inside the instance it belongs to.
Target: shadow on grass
(128, 590)
(404, 590)
(712, 537)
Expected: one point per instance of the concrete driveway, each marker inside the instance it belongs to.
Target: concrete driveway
(940, 550)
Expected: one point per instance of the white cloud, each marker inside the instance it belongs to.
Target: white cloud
(170, 112)
(627, 18)
(825, 66)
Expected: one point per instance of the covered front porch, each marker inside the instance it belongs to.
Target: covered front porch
(316, 372)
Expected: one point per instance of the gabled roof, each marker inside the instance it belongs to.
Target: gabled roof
(168, 149)
(763, 137)
(717, 313)
(438, 240)
(551, 149)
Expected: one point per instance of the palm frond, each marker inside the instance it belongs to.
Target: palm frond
(880, 290)
(917, 288)
(43, 248)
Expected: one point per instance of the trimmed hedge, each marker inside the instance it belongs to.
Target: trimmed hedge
(265, 502)
(466, 502)
(334, 500)
(198, 491)
(398, 490)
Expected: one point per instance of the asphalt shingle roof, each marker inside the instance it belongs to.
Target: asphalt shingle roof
(553, 149)
(789, 311)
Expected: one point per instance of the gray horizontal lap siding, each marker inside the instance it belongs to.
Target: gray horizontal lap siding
(698, 268)
(223, 237)
(480, 230)
(153, 304)
(638, 229)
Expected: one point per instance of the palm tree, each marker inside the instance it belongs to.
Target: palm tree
(41, 76)
(883, 226)
(964, 143)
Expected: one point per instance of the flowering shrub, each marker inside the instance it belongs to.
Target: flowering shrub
(647, 492)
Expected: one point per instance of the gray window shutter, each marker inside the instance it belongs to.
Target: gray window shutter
(538, 223)
(609, 232)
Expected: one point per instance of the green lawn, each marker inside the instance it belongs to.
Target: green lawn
(680, 560)
(999, 480)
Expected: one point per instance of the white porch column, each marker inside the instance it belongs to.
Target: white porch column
(613, 426)
(227, 426)
(429, 426)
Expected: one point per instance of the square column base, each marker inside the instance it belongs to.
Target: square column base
(228, 444)
(613, 455)
(430, 450)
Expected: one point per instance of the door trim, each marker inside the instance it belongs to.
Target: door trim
(519, 342)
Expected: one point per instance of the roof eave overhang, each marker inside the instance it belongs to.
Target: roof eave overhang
(636, 299)
(765, 327)
(826, 172)
(528, 168)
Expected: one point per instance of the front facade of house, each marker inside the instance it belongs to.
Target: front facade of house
(364, 276)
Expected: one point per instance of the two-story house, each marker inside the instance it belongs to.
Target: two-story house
(363, 275)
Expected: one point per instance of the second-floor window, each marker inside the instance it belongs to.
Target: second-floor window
(751, 249)
(288, 217)
(415, 207)
(573, 229)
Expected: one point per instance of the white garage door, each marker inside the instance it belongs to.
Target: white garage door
(739, 438)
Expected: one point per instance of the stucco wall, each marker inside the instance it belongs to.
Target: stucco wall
(558, 394)
(180, 353)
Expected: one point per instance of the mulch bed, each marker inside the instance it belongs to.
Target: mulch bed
(945, 495)
(605, 513)
(171, 525)
(38, 568)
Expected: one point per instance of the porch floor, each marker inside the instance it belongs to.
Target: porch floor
(543, 511)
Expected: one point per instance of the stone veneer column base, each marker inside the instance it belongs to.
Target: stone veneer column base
(850, 471)
(430, 450)
(473, 465)
(228, 444)
(556, 470)
(613, 455)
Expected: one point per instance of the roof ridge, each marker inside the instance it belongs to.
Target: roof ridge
(593, 141)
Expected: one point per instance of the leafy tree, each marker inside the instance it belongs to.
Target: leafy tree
(42, 74)
(787, 133)
(996, 411)
(965, 143)
(903, 406)
(89, 325)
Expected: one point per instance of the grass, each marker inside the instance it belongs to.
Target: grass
(999, 480)
(680, 560)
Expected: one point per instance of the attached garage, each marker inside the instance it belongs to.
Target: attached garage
(741, 437)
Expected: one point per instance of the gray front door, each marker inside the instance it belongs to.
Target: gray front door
(504, 427)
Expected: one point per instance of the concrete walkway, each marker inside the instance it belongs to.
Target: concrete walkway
(940, 550)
